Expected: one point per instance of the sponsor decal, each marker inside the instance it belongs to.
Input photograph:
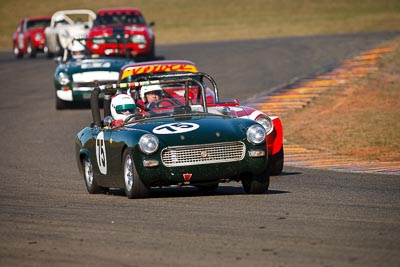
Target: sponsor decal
(176, 128)
(158, 68)
(101, 153)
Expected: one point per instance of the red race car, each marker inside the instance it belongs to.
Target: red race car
(127, 25)
(134, 72)
(29, 37)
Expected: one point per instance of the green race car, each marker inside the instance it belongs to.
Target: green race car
(181, 142)
(77, 74)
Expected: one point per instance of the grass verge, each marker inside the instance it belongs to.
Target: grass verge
(361, 120)
(182, 21)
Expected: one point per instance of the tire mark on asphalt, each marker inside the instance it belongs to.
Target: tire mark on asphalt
(300, 94)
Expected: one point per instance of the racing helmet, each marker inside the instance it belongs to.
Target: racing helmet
(122, 106)
(77, 50)
(150, 88)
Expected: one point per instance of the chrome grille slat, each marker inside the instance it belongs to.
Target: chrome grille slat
(90, 84)
(194, 155)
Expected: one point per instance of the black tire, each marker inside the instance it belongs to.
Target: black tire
(257, 185)
(16, 52)
(31, 50)
(133, 185)
(60, 104)
(152, 54)
(277, 161)
(88, 176)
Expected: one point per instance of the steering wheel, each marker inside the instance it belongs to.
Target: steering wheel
(159, 104)
(127, 119)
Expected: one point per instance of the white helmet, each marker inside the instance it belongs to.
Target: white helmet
(122, 106)
(149, 88)
(77, 50)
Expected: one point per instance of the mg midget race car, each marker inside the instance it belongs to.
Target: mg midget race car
(79, 71)
(65, 26)
(171, 143)
(133, 71)
(29, 36)
(129, 23)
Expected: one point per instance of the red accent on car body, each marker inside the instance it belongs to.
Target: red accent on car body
(187, 176)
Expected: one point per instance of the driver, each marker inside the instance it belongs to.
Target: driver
(77, 50)
(151, 93)
(121, 107)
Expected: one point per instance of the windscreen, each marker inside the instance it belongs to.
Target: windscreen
(38, 23)
(120, 18)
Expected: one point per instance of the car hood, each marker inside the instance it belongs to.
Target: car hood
(33, 31)
(86, 65)
(190, 130)
(238, 111)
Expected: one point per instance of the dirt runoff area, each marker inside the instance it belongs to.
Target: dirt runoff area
(360, 120)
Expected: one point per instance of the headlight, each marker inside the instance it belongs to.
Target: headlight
(38, 36)
(63, 78)
(267, 123)
(138, 39)
(256, 134)
(148, 143)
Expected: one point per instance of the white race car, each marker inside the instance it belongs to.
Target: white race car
(65, 26)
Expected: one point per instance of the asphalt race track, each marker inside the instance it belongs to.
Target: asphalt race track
(308, 217)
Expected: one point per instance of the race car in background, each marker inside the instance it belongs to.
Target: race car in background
(127, 23)
(138, 71)
(29, 36)
(79, 71)
(65, 26)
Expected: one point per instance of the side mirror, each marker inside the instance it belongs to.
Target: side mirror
(152, 23)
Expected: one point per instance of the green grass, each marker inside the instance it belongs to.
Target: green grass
(184, 21)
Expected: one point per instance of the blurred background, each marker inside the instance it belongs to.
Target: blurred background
(182, 21)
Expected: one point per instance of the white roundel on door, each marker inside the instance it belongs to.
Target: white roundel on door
(176, 128)
(101, 153)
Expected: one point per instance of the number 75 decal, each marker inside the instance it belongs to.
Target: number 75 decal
(175, 128)
(101, 153)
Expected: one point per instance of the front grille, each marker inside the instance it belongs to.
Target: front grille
(85, 86)
(203, 154)
(93, 76)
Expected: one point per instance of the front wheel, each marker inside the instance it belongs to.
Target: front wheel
(133, 185)
(257, 185)
(60, 104)
(31, 50)
(152, 54)
(16, 52)
(277, 162)
(90, 180)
